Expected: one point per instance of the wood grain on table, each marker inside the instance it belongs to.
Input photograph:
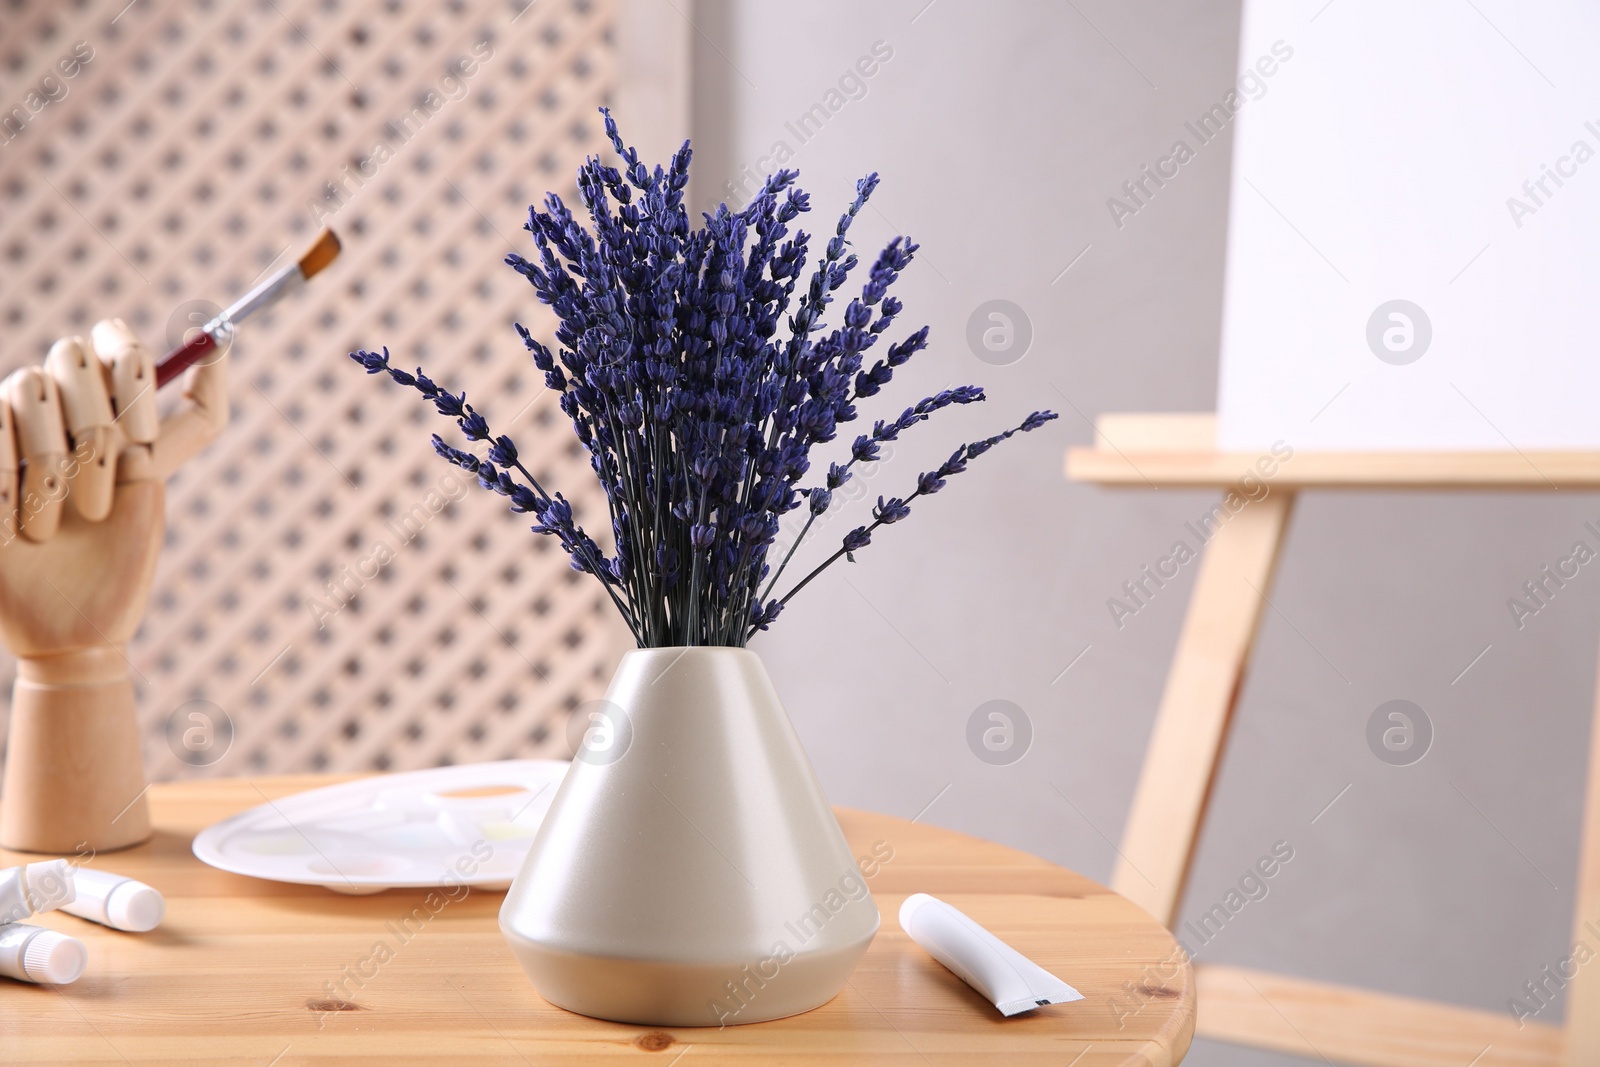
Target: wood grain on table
(250, 972)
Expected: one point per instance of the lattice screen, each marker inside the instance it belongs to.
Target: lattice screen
(181, 162)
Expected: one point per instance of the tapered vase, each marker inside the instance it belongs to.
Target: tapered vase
(690, 871)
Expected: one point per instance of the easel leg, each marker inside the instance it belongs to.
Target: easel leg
(1197, 706)
(1583, 1000)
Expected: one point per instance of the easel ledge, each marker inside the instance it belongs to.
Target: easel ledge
(1175, 450)
(1315, 1019)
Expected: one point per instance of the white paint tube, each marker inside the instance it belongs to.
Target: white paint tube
(33, 888)
(34, 954)
(1012, 981)
(115, 901)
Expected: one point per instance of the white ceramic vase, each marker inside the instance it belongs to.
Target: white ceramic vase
(690, 871)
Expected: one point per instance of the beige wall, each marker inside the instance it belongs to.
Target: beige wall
(1001, 129)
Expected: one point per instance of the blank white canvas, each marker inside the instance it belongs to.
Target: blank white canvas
(1385, 161)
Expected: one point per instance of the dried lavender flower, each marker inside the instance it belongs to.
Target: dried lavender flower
(697, 372)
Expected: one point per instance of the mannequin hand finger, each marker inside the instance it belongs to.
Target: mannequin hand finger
(8, 474)
(197, 422)
(42, 441)
(91, 471)
(132, 375)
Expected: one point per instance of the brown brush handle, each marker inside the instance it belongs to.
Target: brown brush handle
(183, 357)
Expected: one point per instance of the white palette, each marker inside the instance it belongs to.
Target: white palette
(448, 826)
(1386, 162)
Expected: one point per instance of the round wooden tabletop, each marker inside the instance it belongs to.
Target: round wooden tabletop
(259, 972)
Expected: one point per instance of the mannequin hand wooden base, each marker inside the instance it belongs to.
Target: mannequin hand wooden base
(74, 770)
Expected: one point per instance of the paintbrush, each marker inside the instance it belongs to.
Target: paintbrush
(218, 333)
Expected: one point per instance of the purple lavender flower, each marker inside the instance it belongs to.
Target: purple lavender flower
(929, 482)
(699, 375)
(473, 425)
(892, 510)
(858, 538)
(465, 460)
(503, 451)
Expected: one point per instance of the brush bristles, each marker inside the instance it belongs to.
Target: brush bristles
(321, 254)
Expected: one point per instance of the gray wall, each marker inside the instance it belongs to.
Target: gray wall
(1000, 130)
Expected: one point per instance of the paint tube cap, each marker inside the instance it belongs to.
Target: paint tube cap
(913, 904)
(49, 884)
(54, 958)
(135, 907)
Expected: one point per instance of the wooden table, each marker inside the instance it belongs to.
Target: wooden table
(251, 972)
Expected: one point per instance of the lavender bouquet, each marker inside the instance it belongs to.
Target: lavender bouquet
(698, 411)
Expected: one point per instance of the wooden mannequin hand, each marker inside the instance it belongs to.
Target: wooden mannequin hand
(83, 458)
(81, 521)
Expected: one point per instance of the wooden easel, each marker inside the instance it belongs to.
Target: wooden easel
(1296, 1015)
